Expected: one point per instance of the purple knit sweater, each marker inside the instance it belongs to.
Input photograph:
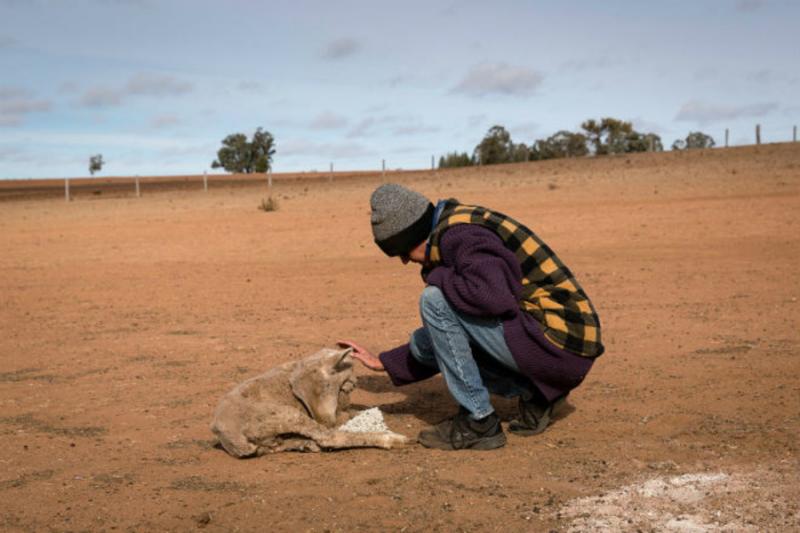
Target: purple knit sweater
(481, 277)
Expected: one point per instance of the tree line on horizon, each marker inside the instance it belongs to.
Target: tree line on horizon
(599, 137)
(606, 136)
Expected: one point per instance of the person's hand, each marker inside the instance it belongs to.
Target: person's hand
(363, 355)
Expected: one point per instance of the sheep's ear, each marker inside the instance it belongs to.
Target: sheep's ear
(344, 360)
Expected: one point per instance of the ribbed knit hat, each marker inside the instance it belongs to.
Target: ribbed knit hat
(401, 218)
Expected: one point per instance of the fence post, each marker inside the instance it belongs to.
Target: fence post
(650, 144)
(758, 133)
(726, 137)
(66, 189)
(269, 182)
(330, 173)
(383, 168)
(433, 167)
(205, 181)
(794, 134)
(138, 191)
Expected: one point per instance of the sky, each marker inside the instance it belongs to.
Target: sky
(155, 85)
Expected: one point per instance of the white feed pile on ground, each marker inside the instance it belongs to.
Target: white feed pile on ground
(369, 421)
(703, 502)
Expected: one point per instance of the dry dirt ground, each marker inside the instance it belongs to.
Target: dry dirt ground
(124, 321)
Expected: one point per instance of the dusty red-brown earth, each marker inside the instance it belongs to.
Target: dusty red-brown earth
(124, 320)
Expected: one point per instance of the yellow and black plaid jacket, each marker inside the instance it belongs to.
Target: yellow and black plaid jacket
(550, 292)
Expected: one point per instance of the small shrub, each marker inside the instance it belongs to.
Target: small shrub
(270, 204)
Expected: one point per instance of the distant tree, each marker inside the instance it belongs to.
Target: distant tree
(96, 163)
(653, 142)
(242, 156)
(679, 144)
(698, 139)
(561, 144)
(614, 136)
(496, 147)
(262, 150)
(455, 159)
(695, 140)
(643, 142)
(520, 152)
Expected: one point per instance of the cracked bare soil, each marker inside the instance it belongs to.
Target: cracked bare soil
(124, 320)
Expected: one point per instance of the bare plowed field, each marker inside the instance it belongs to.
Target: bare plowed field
(125, 319)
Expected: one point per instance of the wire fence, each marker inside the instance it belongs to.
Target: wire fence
(123, 186)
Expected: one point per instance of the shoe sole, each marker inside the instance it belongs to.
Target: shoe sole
(492, 443)
(522, 431)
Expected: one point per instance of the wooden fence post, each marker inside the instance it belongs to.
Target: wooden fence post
(758, 133)
(433, 166)
(794, 134)
(726, 137)
(330, 173)
(66, 189)
(383, 168)
(205, 181)
(138, 191)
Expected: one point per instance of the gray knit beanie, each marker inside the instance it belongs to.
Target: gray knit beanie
(401, 218)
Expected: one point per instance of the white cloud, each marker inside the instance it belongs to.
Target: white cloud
(68, 87)
(95, 141)
(645, 126)
(474, 121)
(397, 81)
(377, 108)
(704, 112)
(524, 131)
(23, 107)
(17, 103)
(408, 150)
(202, 149)
(396, 125)
(101, 97)
(135, 3)
(750, 5)
(250, 86)
(164, 121)
(362, 129)
(8, 92)
(599, 62)
(414, 129)
(141, 84)
(707, 74)
(9, 152)
(304, 147)
(341, 48)
(328, 121)
(156, 85)
(499, 78)
(768, 76)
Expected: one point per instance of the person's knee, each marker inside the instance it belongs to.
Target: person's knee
(432, 302)
(422, 348)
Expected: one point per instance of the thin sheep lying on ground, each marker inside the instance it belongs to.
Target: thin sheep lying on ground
(296, 406)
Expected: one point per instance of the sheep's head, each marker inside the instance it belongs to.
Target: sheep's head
(323, 382)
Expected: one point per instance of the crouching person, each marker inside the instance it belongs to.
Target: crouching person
(501, 314)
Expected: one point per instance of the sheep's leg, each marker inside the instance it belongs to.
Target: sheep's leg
(335, 439)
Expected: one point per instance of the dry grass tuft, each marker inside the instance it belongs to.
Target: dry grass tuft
(270, 204)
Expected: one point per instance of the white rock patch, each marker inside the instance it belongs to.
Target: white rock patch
(674, 504)
(369, 421)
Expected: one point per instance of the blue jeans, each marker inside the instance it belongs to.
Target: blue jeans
(470, 352)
